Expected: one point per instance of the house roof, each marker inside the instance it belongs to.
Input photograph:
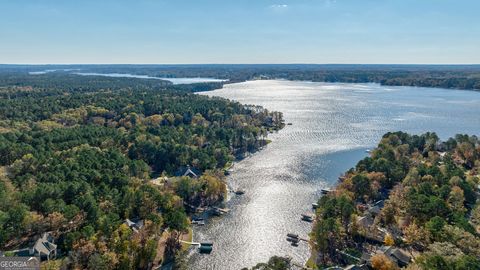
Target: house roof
(365, 221)
(380, 203)
(129, 223)
(375, 210)
(396, 255)
(45, 244)
(399, 255)
(188, 171)
(139, 224)
(376, 207)
(365, 257)
(135, 224)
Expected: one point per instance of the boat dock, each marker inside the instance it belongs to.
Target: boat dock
(294, 239)
(194, 208)
(217, 211)
(325, 191)
(203, 247)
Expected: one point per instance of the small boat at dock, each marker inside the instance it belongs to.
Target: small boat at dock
(293, 240)
(198, 222)
(325, 191)
(307, 217)
(292, 235)
(205, 249)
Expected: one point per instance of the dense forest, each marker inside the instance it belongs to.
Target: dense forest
(444, 76)
(87, 158)
(412, 203)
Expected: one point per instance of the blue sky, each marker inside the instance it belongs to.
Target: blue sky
(240, 31)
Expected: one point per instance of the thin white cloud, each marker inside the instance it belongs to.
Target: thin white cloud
(279, 8)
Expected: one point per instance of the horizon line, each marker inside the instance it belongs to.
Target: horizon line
(199, 64)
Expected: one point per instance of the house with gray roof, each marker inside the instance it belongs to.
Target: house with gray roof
(399, 257)
(44, 247)
(396, 255)
(134, 224)
(188, 171)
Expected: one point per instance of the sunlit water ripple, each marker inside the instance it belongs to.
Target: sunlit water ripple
(332, 126)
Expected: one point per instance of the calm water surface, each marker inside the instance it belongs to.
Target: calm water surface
(332, 126)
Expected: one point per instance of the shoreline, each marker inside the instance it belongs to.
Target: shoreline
(229, 191)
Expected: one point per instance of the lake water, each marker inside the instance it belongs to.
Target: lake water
(332, 126)
(50, 70)
(173, 80)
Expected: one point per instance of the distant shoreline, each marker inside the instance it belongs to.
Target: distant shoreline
(461, 76)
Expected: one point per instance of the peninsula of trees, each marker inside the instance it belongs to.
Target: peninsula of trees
(413, 203)
(91, 167)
